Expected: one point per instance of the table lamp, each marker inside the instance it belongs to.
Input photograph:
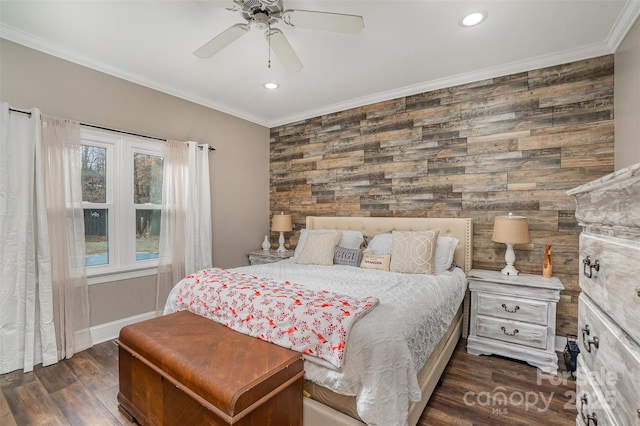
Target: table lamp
(510, 230)
(281, 223)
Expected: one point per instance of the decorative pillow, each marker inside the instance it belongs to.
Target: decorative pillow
(413, 251)
(318, 248)
(375, 261)
(445, 248)
(381, 243)
(345, 256)
(349, 239)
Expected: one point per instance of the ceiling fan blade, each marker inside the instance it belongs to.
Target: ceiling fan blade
(221, 41)
(283, 50)
(325, 21)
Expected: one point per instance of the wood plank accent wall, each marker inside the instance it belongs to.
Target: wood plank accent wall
(509, 144)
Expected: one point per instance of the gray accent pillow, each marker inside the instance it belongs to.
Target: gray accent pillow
(345, 256)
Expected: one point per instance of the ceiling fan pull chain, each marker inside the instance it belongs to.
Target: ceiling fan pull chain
(269, 41)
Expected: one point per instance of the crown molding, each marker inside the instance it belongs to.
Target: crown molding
(623, 24)
(38, 43)
(591, 51)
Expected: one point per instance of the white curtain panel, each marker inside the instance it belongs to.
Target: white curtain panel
(27, 333)
(197, 254)
(185, 224)
(62, 167)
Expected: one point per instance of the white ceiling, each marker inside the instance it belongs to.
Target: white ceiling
(406, 47)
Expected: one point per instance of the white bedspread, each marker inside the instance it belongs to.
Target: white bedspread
(391, 343)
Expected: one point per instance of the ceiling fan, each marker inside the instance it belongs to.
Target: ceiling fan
(265, 13)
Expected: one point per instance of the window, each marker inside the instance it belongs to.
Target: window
(122, 198)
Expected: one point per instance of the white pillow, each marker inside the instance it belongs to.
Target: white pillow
(445, 249)
(349, 239)
(381, 243)
(413, 251)
(319, 248)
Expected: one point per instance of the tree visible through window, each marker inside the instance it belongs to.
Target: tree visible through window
(147, 194)
(94, 191)
(122, 199)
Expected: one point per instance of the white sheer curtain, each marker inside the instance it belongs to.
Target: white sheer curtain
(62, 167)
(185, 224)
(27, 334)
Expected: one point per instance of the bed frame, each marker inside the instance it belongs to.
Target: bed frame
(318, 414)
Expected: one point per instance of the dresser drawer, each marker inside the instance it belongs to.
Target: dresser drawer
(593, 407)
(516, 332)
(511, 308)
(614, 360)
(613, 283)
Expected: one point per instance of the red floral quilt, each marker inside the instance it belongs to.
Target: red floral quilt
(285, 313)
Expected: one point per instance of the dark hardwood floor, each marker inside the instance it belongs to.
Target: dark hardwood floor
(475, 391)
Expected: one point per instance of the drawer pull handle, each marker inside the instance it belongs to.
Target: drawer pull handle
(510, 310)
(595, 342)
(515, 331)
(584, 401)
(592, 418)
(586, 331)
(587, 264)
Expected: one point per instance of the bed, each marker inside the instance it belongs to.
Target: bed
(355, 391)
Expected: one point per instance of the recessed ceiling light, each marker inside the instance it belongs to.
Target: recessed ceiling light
(271, 86)
(473, 19)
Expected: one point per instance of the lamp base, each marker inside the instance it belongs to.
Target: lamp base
(281, 248)
(510, 270)
(509, 258)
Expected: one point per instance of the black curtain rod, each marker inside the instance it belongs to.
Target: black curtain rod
(111, 130)
(20, 111)
(93, 126)
(133, 134)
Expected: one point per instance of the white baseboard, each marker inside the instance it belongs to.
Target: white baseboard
(111, 330)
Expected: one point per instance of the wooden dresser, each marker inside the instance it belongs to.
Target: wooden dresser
(608, 374)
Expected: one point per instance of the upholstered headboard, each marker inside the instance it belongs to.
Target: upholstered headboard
(460, 228)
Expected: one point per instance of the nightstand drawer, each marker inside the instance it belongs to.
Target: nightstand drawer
(519, 333)
(514, 309)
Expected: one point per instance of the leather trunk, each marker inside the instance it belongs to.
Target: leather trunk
(184, 369)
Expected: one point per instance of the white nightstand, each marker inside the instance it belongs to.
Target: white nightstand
(259, 257)
(514, 316)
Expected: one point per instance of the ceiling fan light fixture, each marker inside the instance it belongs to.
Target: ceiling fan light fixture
(261, 20)
(271, 86)
(473, 19)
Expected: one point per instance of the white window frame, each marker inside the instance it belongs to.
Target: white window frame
(119, 200)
